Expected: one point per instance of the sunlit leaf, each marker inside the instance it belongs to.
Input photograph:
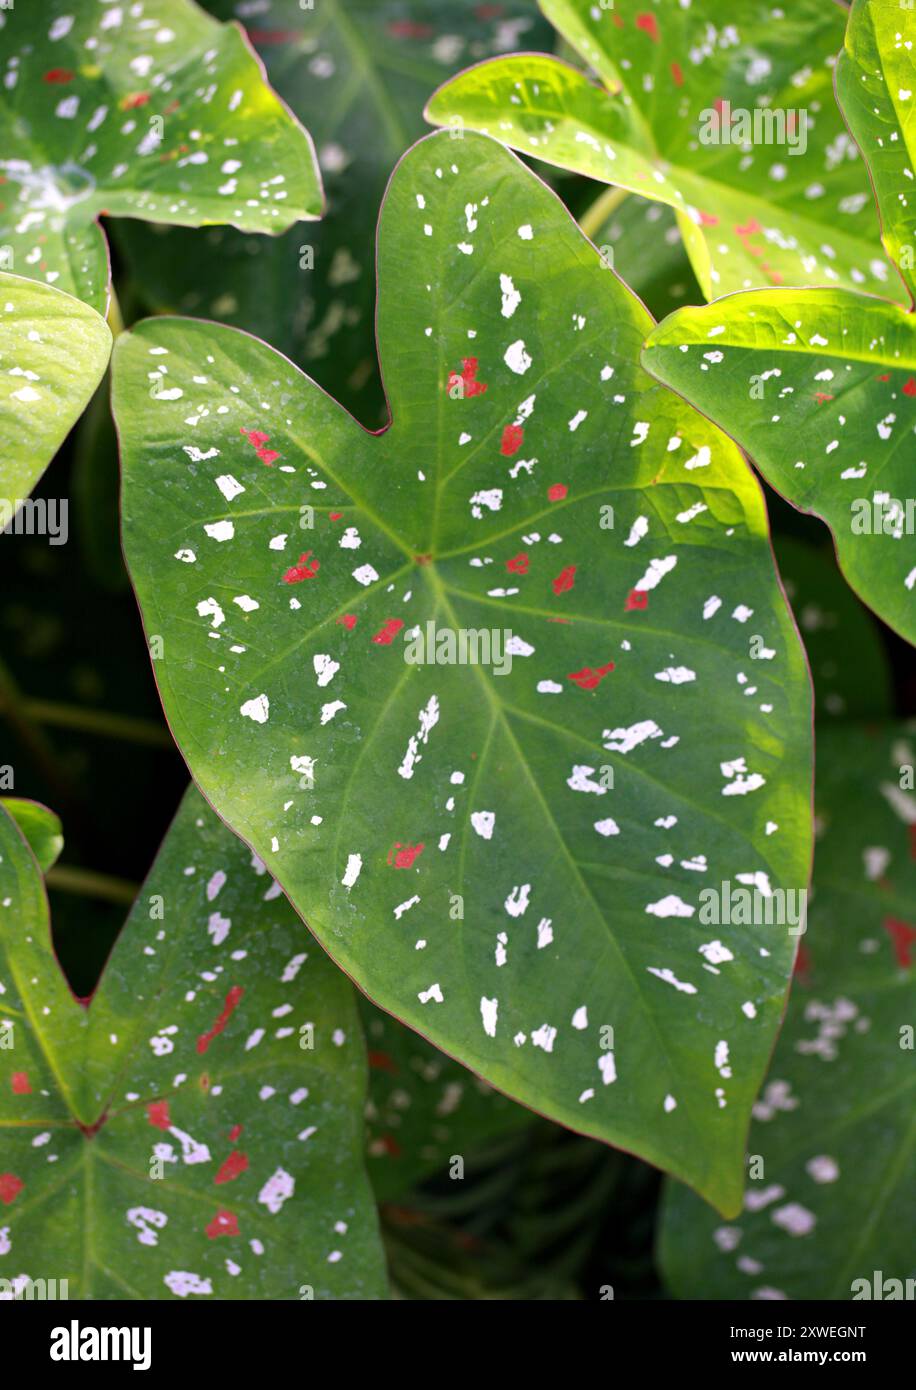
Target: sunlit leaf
(729, 118)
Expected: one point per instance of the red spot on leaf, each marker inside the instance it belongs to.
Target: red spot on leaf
(513, 438)
(707, 219)
(821, 396)
(303, 569)
(390, 1145)
(232, 1167)
(590, 677)
(677, 75)
(58, 75)
(636, 598)
(564, 580)
(404, 855)
(467, 377)
(910, 387)
(348, 621)
(518, 564)
(234, 1133)
(649, 25)
(232, 1002)
(902, 936)
(224, 1223)
(21, 1085)
(382, 1062)
(10, 1187)
(334, 516)
(388, 632)
(258, 439)
(130, 103)
(157, 1112)
(556, 492)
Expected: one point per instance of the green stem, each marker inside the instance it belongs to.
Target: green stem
(596, 216)
(14, 708)
(88, 884)
(90, 721)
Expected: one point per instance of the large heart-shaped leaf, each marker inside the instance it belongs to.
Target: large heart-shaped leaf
(449, 829)
(197, 1131)
(831, 1149)
(727, 117)
(820, 386)
(53, 352)
(357, 74)
(153, 111)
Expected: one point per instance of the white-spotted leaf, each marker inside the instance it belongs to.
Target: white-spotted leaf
(153, 111)
(498, 692)
(830, 1210)
(195, 1129)
(819, 386)
(53, 353)
(729, 118)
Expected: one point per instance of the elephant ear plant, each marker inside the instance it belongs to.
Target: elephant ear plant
(476, 961)
(193, 1128)
(509, 855)
(820, 385)
(152, 111)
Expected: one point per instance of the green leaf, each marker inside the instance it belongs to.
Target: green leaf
(39, 827)
(53, 353)
(177, 1137)
(424, 1108)
(522, 427)
(846, 653)
(793, 210)
(875, 83)
(836, 1200)
(819, 386)
(153, 111)
(357, 73)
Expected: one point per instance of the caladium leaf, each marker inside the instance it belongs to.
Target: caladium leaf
(848, 658)
(820, 386)
(424, 1109)
(153, 111)
(875, 84)
(729, 119)
(830, 1213)
(196, 1131)
(407, 668)
(53, 352)
(39, 826)
(357, 74)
